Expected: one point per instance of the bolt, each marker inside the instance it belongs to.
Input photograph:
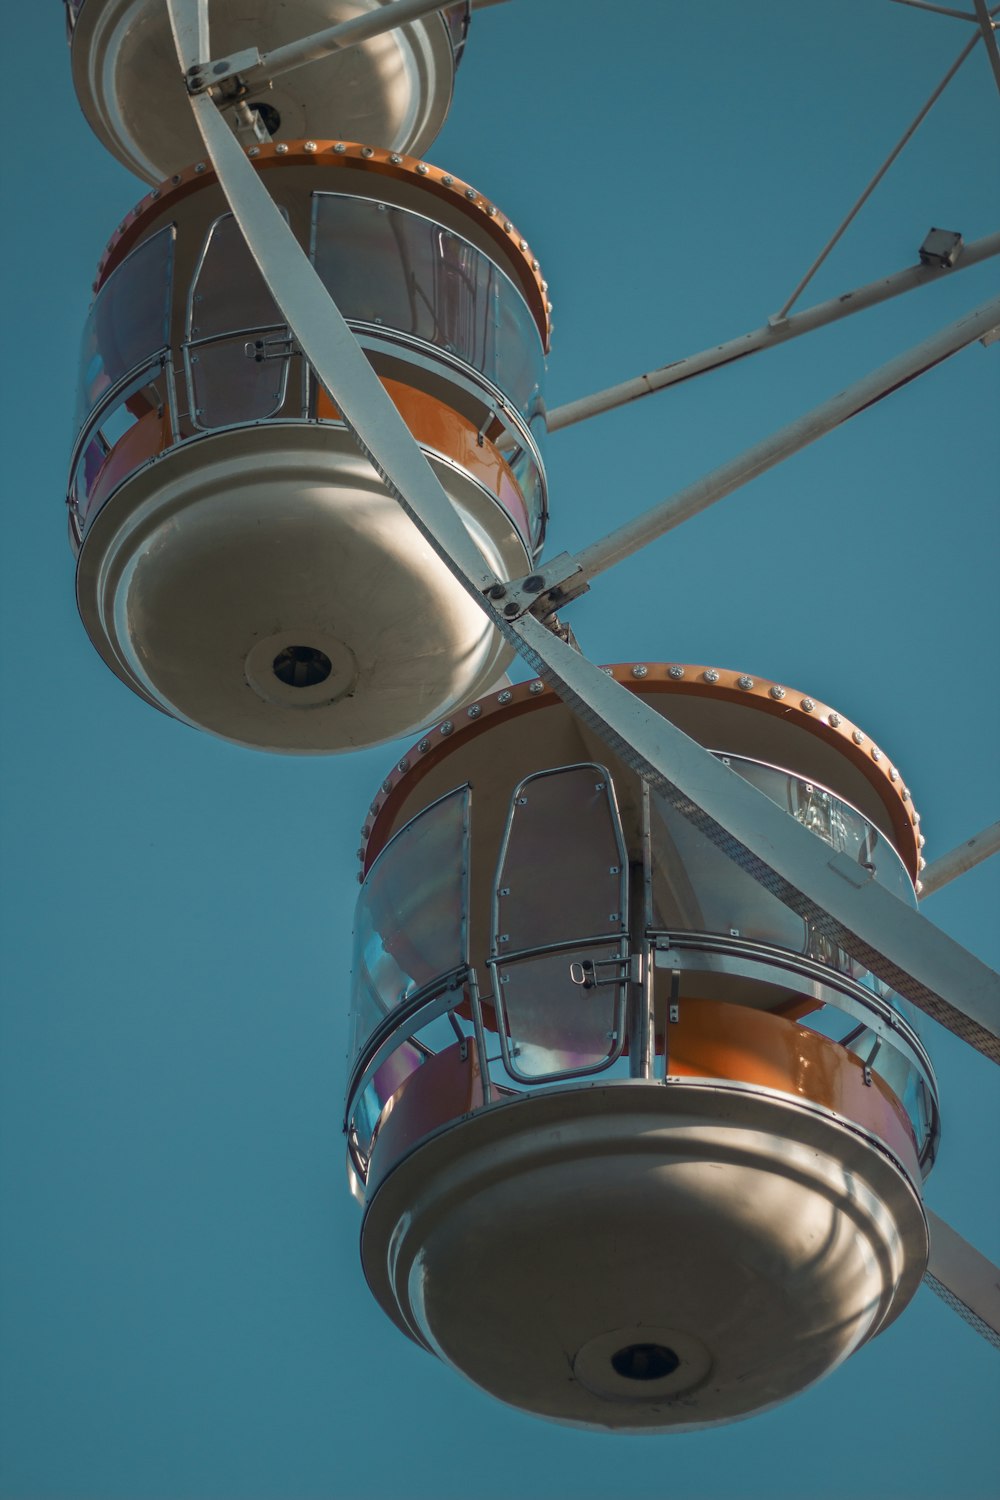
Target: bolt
(640, 671)
(536, 687)
(474, 711)
(496, 591)
(340, 148)
(424, 746)
(858, 737)
(511, 611)
(675, 672)
(221, 67)
(447, 180)
(744, 682)
(777, 693)
(446, 728)
(711, 675)
(833, 720)
(422, 168)
(534, 584)
(367, 151)
(505, 696)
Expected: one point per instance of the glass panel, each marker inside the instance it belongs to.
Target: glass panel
(411, 919)
(557, 1027)
(697, 888)
(562, 876)
(229, 292)
(230, 384)
(140, 399)
(388, 266)
(128, 323)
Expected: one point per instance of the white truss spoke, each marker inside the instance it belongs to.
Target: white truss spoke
(769, 336)
(772, 450)
(964, 1279)
(940, 10)
(189, 23)
(964, 857)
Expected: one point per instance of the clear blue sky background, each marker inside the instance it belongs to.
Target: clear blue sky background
(184, 1315)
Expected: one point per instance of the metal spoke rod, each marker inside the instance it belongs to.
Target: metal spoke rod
(965, 857)
(821, 257)
(251, 65)
(989, 37)
(940, 10)
(787, 440)
(769, 336)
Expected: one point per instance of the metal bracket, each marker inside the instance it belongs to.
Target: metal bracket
(584, 972)
(543, 592)
(207, 77)
(279, 347)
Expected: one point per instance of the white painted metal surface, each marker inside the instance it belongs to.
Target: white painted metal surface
(948, 867)
(392, 89)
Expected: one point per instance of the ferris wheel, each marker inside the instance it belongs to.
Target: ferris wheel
(634, 944)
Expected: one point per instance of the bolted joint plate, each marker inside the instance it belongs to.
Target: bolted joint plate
(204, 77)
(542, 591)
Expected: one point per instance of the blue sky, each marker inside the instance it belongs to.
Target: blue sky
(184, 1314)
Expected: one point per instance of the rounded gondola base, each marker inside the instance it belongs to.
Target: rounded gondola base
(645, 1257)
(393, 90)
(261, 584)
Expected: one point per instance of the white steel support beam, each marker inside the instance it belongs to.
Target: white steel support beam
(882, 932)
(769, 336)
(964, 1279)
(964, 857)
(782, 444)
(940, 10)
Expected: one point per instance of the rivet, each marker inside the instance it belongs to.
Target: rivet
(777, 693)
(537, 687)
(508, 225)
(176, 178)
(254, 151)
(446, 728)
(921, 841)
(497, 591)
(309, 146)
(745, 683)
(893, 774)
(387, 785)
(548, 307)
(916, 816)
(404, 765)
(858, 737)
(396, 159)
(833, 720)
(711, 675)
(906, 794)
(281, 149)
(675, 672)
(523, 244)
(422, 168)
(447, 180)
(360, 853)
(424, 746)
(640, 671)
(545, 286)
(921, 863)
(340, 148)
(366, 831)
(367, 151)
(505, 696)
(918, 887)
(492, 211)
(471, 194)
(155, 193)
(608, 671)
(876, 754)
(199, 166)
(474, 711)
(535, 266)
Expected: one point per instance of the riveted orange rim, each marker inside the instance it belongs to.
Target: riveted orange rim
(648, 679)
(356, 157)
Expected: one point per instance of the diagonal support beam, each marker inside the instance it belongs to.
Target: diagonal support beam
(886, 935)
(964, 857)
(983, 16)
(769, 336)
(964, 1279)
(790, 439)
